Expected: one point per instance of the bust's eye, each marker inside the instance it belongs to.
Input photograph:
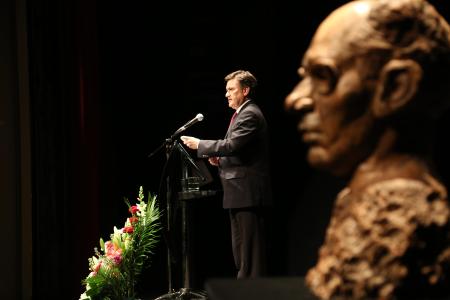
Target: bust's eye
(324, 78)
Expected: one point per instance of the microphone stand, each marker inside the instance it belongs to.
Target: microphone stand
(168, 145)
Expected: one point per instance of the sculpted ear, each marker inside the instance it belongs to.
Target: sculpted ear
(397, 86)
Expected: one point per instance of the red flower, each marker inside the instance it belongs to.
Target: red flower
(128, 229)
(133, 209)
(133, 220)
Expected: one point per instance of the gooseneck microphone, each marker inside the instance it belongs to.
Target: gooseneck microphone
(198, 118)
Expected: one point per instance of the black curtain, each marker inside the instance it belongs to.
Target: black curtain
(66, 143)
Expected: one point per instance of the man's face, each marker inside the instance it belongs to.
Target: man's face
(333, 98)
(235, 93)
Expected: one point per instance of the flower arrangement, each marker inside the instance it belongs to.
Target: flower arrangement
(115, 268)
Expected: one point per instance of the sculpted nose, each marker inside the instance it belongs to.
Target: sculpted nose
(298, 100)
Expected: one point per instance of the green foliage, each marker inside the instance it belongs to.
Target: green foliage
(115, 269)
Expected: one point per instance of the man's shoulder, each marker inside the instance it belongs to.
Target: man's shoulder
(251, 108)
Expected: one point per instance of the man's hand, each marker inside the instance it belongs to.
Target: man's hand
(190, 141)
(214, 161)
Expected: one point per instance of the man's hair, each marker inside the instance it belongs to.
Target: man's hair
(412, 29)
(245, 78)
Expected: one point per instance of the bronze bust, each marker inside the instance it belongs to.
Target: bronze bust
(374, 81)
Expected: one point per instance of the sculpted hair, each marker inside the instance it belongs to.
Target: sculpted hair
(413, 29)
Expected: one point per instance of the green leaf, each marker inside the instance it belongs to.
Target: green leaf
(102, 245)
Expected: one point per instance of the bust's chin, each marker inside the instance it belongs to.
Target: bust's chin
(318, 157)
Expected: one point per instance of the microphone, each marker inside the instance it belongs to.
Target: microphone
(198, 118)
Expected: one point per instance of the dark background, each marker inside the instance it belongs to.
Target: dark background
(110, 81)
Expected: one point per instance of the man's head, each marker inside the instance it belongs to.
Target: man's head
(371, 64)
(239, 87)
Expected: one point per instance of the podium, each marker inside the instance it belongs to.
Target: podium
(193, 177)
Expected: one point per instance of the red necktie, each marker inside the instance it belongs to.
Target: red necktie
(232, 118)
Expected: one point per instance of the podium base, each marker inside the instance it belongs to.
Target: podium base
(270, 288)
(184, 294)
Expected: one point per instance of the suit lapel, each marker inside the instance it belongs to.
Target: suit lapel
(231, 127)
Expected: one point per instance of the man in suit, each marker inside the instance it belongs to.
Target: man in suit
(243, 161)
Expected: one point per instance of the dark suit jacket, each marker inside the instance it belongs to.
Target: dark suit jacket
(244, 162)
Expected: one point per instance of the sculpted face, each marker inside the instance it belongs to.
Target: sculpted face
(333, 97)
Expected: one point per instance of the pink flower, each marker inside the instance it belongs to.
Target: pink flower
(117, 259)
(113, 252)
(96, 268)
